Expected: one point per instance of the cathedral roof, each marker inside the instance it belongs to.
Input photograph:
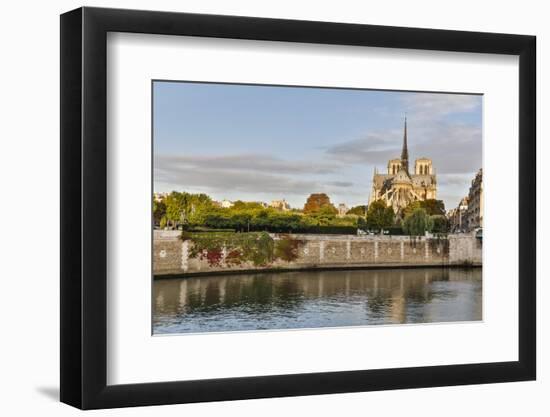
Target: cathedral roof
(385, 181)
(423, 180)
(402, 177)
(379, 179)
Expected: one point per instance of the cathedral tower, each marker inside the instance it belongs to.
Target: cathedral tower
(399, 187)
(405, 151)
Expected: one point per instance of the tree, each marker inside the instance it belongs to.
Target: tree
(186, 208)
(324, 215)
(315, 202)
(159, 211)
(379, 215)
(198, 211)
(432, 207)
(358, 210)
(282, 222)
(440, 224)
(197, 207)
(240, 205)
(417, 223)
(162, 222)
(175, 208)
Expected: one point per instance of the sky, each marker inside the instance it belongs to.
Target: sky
(263, 143)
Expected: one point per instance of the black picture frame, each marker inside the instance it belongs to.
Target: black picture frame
(84, 207)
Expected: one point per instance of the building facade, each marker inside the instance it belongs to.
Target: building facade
(474, 213)
(226, 203)
(468, 215)
(342, 209)
(158, 197)
(458, 219)
(399, 187)
(280, 205)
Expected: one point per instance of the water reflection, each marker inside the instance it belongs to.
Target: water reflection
(316, 299)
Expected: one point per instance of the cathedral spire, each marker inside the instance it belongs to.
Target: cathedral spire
(405, 151)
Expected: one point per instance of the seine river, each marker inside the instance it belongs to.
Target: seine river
(291, 300)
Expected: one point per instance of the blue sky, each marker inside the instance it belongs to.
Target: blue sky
(261, 143)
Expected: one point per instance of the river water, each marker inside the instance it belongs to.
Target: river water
(291, 300)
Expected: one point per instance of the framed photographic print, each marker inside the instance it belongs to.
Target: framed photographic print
(258, 207)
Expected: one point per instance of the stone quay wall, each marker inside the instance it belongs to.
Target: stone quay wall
(171, 255)
(465, 249)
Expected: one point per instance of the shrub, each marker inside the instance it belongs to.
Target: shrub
(417, 223)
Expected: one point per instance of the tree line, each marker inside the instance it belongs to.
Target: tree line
(199, 212)
(414, 220)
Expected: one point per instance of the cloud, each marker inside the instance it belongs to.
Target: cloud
(246, 162)
(358, 151)
(247, 175)
(220, 180)
(453, 187)
(455, 179)
(422, 106)
(454, 148)
(344, 184)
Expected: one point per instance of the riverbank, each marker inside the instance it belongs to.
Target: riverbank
(177, 257)
(230, 272)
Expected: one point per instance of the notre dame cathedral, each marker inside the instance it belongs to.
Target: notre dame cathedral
(399, 187)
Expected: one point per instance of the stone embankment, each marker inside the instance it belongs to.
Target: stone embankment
(174, 256)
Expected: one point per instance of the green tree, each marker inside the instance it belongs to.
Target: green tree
(432, 207)
(162, 222)
(324, 216)
(412, 206)
(159, 211)
(198, 211)
(417, 223)
(186, 208)
(440, 224)
(175, 208)
(379, 215)
(197, 207)
(246, 205)
(358, 210)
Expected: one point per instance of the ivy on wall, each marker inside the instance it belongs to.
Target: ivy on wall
(234, 249)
